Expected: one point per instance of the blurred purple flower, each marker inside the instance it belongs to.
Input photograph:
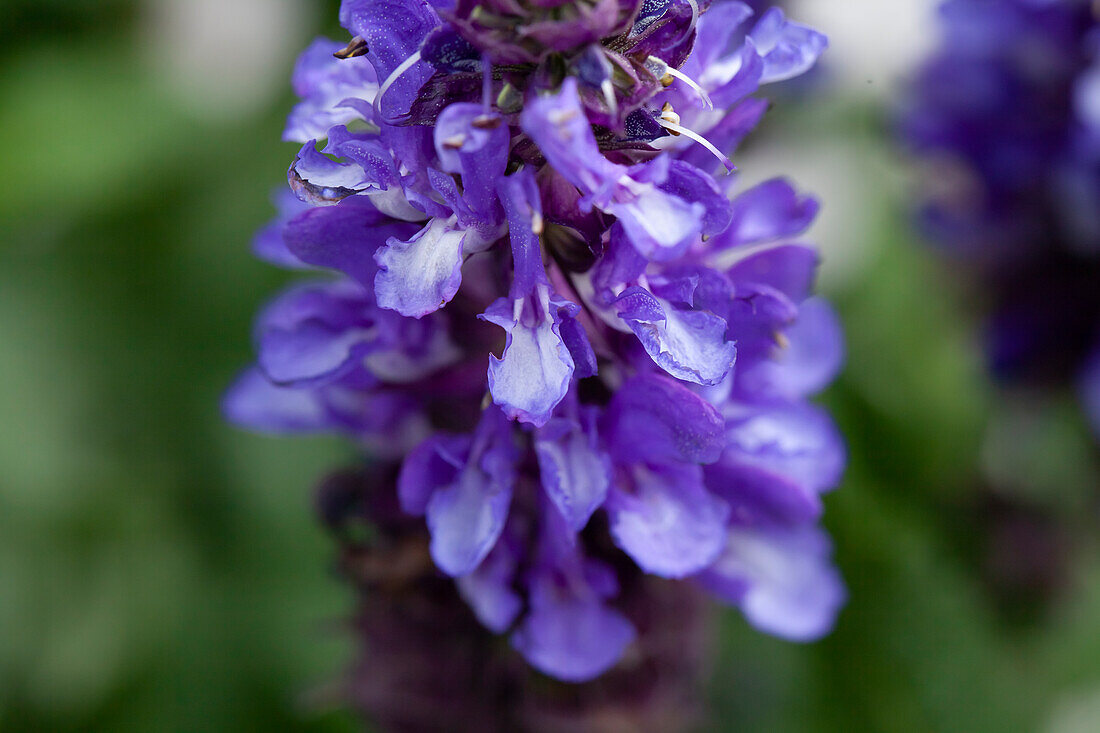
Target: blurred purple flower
(538, 182)
(1007, 116)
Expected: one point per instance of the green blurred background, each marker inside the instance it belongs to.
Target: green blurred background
(160, 570)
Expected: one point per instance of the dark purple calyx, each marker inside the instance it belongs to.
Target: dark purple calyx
(618, 50)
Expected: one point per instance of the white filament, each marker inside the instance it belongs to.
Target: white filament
(703, 96)
(694, 15)
(681, 130)
(392, 79)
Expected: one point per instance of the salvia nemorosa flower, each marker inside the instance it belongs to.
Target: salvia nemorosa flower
(548, 184)
(1007, 112)
(425, 663)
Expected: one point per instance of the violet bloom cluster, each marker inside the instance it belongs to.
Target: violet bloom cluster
(548, 183)
(1007, 114)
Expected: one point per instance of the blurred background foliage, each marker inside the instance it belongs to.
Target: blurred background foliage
(162, 571)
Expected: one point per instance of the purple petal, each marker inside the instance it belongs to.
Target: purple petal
(790, 269)
(338, 303)
(759, 496)
(408, 350)
(675, 286)
(314, 67)
(569, 632)
(314, 333)
(669, 523)
(446, 50)
(366, 151)
(710, 289)
(659, 224)
(714, 29)
(465, 520)
(475, 144)
(488, 590)
(366, 163)
(414, 153)
(572, 639)
(533, 373)
(467, 517)
(344, 237)
(482, 233)
(254, 402)
(757, 316)
(393, 29)
(782, 579)
(520, 195)
(793, 444)
(688, 344)
(688, 183)
(813, 355)
(431, 465)
(656, 419)
(575, 472)
(620, 264)
(788, 49)
(313, 351)
(732, 77)
(769, 211)
(638, 304)
(269, 244)
(421, 275)
(575, 339)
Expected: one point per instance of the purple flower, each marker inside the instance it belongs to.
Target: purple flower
(1006, 115)
(590, 355)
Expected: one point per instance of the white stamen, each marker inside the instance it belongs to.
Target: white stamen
(681, 130)
(392, 79)
(694, 15)
(663, 72)
(703, 96)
